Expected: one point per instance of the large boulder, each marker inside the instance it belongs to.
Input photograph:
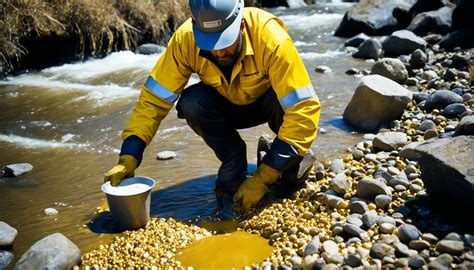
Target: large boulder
(402, 42)
(391, 68)
(463, 38)
(369, 49)
(447, 170)
(7, 235)
(462, 15)
(423, 6)
(438, 21)
(376, 100)
(55, 251)
(373, 17)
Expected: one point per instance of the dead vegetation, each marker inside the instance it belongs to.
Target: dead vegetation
(92, 27)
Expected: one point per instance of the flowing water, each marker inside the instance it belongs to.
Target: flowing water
(67, 120)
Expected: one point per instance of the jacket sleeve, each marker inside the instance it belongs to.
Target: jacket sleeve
(292, 85)
(161, 89)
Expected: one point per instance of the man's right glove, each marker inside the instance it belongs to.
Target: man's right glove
(252, 190)
(125, 168)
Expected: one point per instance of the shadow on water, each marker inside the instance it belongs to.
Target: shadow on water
(192, 201)
(341, 124)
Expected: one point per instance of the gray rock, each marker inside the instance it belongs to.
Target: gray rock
(402, 250)
(355, 219)
(389, 141)
(164, 155)
(368, 189)
(411, 81)
(296, 261)
(453, 236)
(373, 18)
(371, 158)
(454, 110)
(452, 247)
(354, 230)
(370, 218)
(309, 263)
(431, 238)
(5, 259)
(437, 21)
(409, 151)
(416, 262)
(330, 247)
(392, 69)
(453, 180)
(333, 201)
(7, 235)
(55, 251)
(399, 182)
(355, 41)
(353, 260)
(429, 75)
(440, 99)
(149, 48)
(382, 201)
(419, 245)
(384, 101)
(465, 126)
(352, 71)
(51, 211)
(381, 250)
(443, 261)
(408, 232)
(14, 170)
(426, 125)
(358, 207)
(322, 69)
(334, 259)
(358, 155)
(386, 219)
(369, 49)
(313, 246)
(402, 42)
(341, 184)
(418, 58)
(420, 96)
(337, 166)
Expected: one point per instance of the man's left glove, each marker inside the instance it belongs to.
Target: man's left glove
(252, 190)
(125, 168)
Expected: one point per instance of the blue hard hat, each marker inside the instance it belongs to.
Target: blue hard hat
(216, 23)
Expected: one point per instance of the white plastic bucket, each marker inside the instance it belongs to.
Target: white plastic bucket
(129, 202)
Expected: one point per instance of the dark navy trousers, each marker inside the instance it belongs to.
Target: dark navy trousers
(217, 120)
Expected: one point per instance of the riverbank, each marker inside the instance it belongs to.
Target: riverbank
(40, 34)
(370, 208)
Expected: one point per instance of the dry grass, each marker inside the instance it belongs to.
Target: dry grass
(101, 26)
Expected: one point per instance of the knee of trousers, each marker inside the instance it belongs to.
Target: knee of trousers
(195, 101)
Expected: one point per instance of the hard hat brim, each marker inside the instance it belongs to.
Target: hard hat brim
(219, 40)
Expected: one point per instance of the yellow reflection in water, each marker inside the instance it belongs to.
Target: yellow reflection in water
(225, 251)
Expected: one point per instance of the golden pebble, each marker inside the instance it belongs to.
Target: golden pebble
(372, 206)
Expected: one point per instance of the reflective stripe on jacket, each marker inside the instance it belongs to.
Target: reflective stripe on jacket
(268, 59)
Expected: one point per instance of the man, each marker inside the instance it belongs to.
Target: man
(250, 74)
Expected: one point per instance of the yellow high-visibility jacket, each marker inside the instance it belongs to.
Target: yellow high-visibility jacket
(268, 59)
